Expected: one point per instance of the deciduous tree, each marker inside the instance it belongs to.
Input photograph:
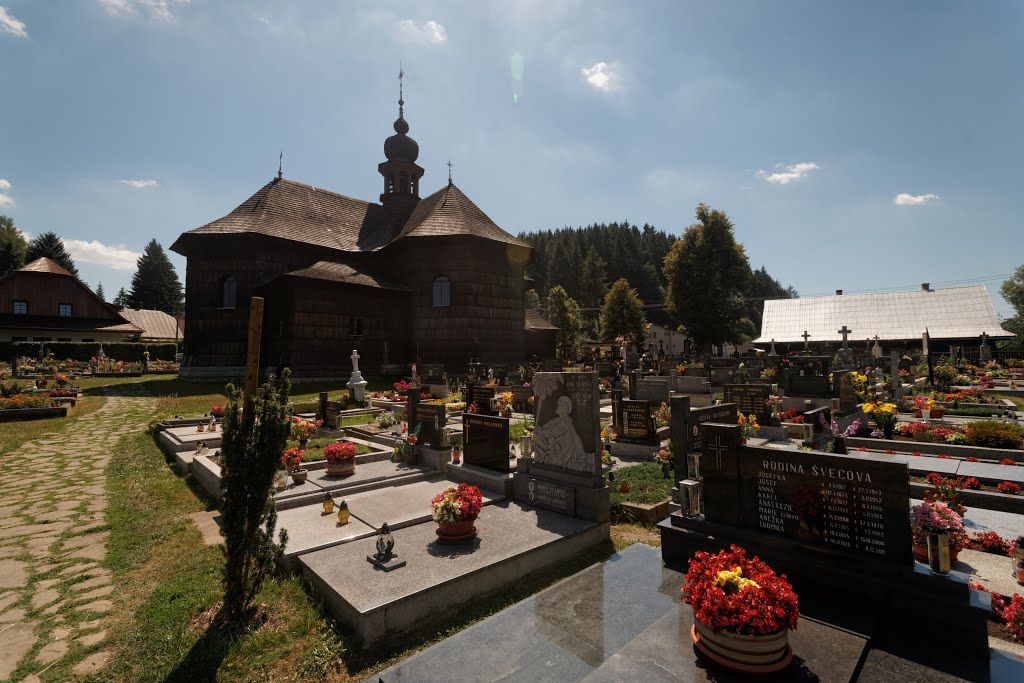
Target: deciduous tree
(12, 246)
(564, 313)
(622, 314)
(707, 273)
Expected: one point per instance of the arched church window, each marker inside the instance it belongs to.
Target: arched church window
(442, 291)
(229, 292)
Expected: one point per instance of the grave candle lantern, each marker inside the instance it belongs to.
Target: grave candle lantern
(328, 504)
(690, 491)
(693, 465)
(343, 513)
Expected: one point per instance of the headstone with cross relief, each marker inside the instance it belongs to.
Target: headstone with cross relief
(720, 469)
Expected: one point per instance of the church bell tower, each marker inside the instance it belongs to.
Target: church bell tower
(400, 171)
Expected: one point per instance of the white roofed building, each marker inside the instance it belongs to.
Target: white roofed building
(957, 316)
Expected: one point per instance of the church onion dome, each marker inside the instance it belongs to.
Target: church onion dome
(401, 147)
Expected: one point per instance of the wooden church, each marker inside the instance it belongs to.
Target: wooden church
(429, 279)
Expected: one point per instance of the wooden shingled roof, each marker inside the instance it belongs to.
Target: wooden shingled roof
(450, 212)
(293, 211)
(44, 265)
(535, 320)
(341, 272)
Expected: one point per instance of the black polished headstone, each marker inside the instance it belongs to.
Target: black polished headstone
(637, 420)
(720, 469)
(481, 396)
(432, 373)
(842, 381)
(653, 389)
(485, 441)
(854, 504)
(433, 418)
(412, 400)
(617, 411)
(724, 414)
(521, 398)
(678, 431)
(750, 399)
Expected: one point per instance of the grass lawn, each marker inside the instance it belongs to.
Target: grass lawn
(169, 588)
(1017, 400)
(647, 485)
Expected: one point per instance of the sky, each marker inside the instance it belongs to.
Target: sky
(861, 146)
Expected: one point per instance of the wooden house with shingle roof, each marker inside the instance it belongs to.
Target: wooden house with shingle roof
(404, 279)
(44, 302)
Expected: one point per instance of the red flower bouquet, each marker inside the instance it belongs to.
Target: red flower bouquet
(461, 503)
(340, 451)
(732, 592)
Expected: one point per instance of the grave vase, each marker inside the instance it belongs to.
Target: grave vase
(839, 445)
(887, 429)
(926, 414)
(747, 654)
(341, 468)
(456, 532)
(299, 476)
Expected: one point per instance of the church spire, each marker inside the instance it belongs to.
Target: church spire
(400, 172)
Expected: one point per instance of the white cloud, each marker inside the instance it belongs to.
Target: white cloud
(160, 10)
(140, 184)
(429, 32)
(601, 76)
(787, 173)
(9, 24)
(913, 199)
(4, 184)
(116, 257)
(263, 20)
(5, 199)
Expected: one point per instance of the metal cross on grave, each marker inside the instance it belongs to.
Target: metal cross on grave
(718, 447)
(806, 337)
(845, 332)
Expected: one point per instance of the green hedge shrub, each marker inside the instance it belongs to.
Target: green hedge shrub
(129, 352)
(992, 434)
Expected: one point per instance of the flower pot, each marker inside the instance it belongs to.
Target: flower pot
(302, 444)
(748, 654)
(456, 532)
(1018, 573)
(299, 476)
(341, 468)
(839, 445)
(887, 430)
(926, 413)
(506, 413)
(938, 412)
(217, 413)
(456, 456)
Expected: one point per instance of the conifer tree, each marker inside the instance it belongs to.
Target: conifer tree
(155, 285)
(623, 314)
(121, 299)
(99, 291)
(50, 245)
(564, 313)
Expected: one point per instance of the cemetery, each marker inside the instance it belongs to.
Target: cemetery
(387, 440)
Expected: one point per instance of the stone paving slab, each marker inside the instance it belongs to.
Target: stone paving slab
(365, 473)
(991, 471)
(309, 529)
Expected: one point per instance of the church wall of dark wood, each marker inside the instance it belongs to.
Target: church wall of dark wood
(486, 307)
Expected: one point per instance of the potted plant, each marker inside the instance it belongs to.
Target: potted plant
(743, 611)
(385, 420)
(302, 429)
(748, 425)
(664, 458)
(217, 411)
(455, 510)
(505, 404)
(341, 458)
(938, 521)
(923, 406)
(884, 415)
(292, 461)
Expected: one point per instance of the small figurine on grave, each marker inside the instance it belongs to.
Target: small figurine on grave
(385, 543)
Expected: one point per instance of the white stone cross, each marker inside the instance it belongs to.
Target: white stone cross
(718, 447)
(355, 361)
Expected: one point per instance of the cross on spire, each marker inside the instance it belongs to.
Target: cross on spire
(449, 172)
(280, 161)
(401, 99)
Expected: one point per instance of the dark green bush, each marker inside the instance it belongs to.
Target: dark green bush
(129, 352)
(992, 434)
